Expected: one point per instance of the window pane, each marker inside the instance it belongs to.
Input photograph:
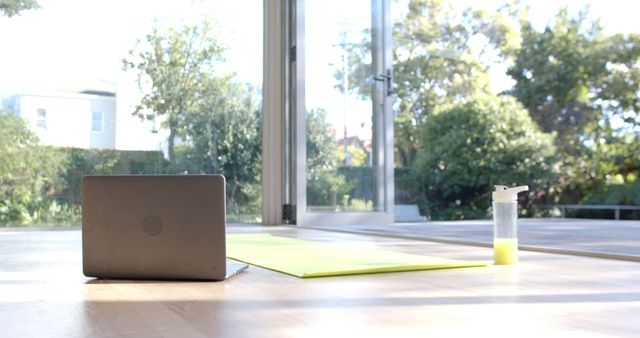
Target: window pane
(41, 118)
(172, 88)
(497, 93)
(96, 121)
(341, 172)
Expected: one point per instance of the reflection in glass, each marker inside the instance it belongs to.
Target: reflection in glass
(173, 88)
(338, 87)
(514, 93)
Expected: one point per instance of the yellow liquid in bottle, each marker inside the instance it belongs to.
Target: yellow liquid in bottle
(505, 251)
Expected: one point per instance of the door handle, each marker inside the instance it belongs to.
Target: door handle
(388, 79)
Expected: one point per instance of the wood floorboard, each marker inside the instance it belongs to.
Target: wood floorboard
(44, 294)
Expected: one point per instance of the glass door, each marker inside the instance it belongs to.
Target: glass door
(343, 122)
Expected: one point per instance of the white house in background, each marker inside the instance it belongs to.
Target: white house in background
(91, 119)
(68, 119)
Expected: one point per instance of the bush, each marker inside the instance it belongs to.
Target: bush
(40, 185)
(469, 147)
(615, 194)
(80, 162)
(409, 188)
(28, 172)
(327, 189)
(360, 181)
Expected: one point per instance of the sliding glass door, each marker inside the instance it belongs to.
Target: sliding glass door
(341, 70)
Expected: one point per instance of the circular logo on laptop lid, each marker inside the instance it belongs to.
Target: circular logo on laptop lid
(152, 225)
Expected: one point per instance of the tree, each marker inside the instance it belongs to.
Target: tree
(27, 171)
(214, 122)
(223, 135)
(321, 143)
(325, 187)
(440, 55)
(478, 143)
(572, 75)
(608, 171)
(240, 148)
(554, 71)
(357, 157)
(584, 85)
(14, 7)
(172, 65)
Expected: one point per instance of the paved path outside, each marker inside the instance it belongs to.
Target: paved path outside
(595, 236)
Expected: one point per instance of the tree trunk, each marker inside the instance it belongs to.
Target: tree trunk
(172, 139)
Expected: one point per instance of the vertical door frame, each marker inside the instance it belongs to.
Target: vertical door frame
(274, 110)
(382, 120)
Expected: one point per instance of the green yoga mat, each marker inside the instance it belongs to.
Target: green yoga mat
(312, 259)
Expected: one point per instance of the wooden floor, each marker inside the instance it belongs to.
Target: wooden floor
(44, 294)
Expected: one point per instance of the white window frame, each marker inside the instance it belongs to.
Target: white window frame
(284, 138)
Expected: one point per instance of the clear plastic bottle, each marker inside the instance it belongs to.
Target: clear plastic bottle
(505, 224)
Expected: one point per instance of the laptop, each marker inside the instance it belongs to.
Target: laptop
(155, 227)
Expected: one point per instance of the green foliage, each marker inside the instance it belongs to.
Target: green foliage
(358, 156)
(554, 71)
(571, 74)
(435, 62)
(82, 162)
(361, 182)
(172, 66)
(225, 136)
(440, 55)
(214, 123)
(14, 7)
(615, 194)
(321, 142)
(453, 141)
(356, 204)
(355, 64)
(27, 171)
(572, 78)
(617, 94)
(51, 213)
(325, 187)
(476, 144)
(40, 185)
(609, 165)
(410, 189)
(577, 81)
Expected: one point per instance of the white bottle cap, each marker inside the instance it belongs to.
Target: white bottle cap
(506, 194)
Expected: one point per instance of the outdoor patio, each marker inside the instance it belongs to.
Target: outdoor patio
(584, 237)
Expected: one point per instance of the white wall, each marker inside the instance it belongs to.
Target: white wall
(105, 139)
(68, 119)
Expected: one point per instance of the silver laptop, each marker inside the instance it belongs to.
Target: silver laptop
(155, 227)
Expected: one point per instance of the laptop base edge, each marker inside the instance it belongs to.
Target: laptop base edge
(235, 268)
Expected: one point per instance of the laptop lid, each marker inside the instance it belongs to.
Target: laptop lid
(154, 226)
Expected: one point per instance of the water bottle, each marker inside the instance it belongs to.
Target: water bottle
(505, 224)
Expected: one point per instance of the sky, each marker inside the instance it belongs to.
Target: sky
(70, 42)
(66, 40)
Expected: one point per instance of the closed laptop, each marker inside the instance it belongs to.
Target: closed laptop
(154, 227)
